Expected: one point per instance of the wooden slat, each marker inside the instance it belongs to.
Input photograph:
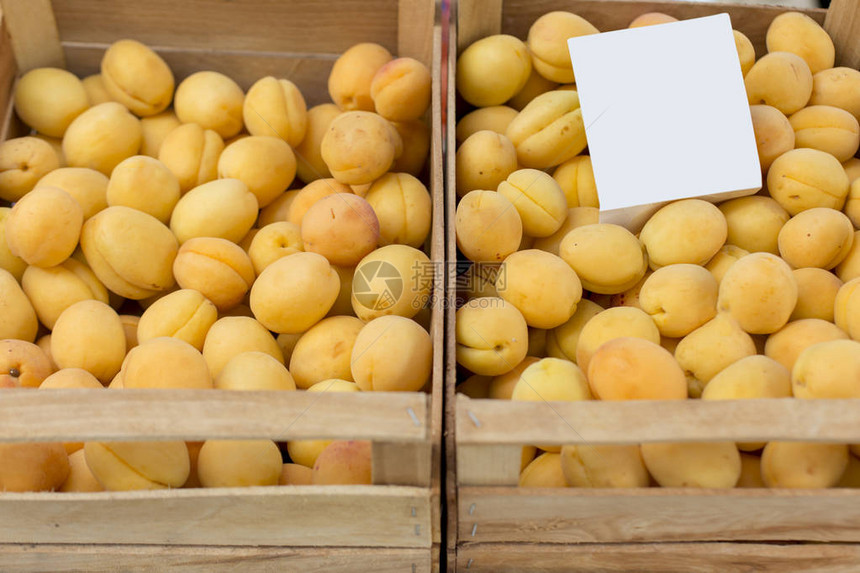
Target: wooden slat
(843, 24)
(477, 19)
(663, 557)
(348, 516)
(414, 36)
(262, 25)
(451, 488)
(309, 72)
(437, 316)
(84, 415)
(8, 69)
(641, 421)
(68, 558)
(402, 464)
(606, 15)
(519, 515)
(33, 29)
(488, 465)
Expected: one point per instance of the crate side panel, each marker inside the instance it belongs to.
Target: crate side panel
(348, 516)
(664, 557)
(653, 514)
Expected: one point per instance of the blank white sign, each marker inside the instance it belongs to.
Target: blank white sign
(666, 116)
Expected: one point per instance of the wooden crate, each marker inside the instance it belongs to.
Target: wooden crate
(495, 526)
(393, 525)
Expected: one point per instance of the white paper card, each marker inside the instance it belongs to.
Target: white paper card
(666, 116)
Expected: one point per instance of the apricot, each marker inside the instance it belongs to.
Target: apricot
(629, 368)
(607, 258)
(401, 89)
(538, 199)
(828, 369)
(273, 242)
(89, 335)
(576, 217)
(492, 336)
(294, 293)
(551, 379)
(12, 264)
(536, 85)
(686, 231)
(48, 99)
(295, 474)
(275, 107)
(803, 465)
(23, 364)
(576, 178)
(341, 227)
(265, 164)
(781, 80)
(702, 465)
(549, 130)
(544, 471)
(622, 321)
(805, 178)
(254, 371)
(484, 161)
(44, 226)
(80, 479)
(192, 154)
(849, 268)
(816, 294)
(391, 354)
(712, 347)
(23, 161)
(754, 223)
(32, 467)
(224, 208)
(155, 129)
(786, 344)
(798, 33)
(344, 462)
(651, 19)
(488, 226)
(603, 466)
(492, 70)
(680, 298)
(547, 41)
(309, 162)
(219, 269)
(494, 118)
(818, 237)
(165, 362)
(829, 129)
(846, 308)
(774, 134)
(837, 87)
(392, 280)
(760, 292)
(95, 88)
(234, 335)
(211, 100)
(145, 184)
(130, 252)
(723, 260)
(351, 77)
(324, 351)
(751, 377)
(52, 290)
(71, 378)
(561, 342)
(125, 466)
(184, 314)
(403, 208)
(101, 137)
(359, 147)
(541, 286)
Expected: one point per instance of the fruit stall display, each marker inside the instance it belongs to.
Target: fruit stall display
(680, 398)
(221, 228)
